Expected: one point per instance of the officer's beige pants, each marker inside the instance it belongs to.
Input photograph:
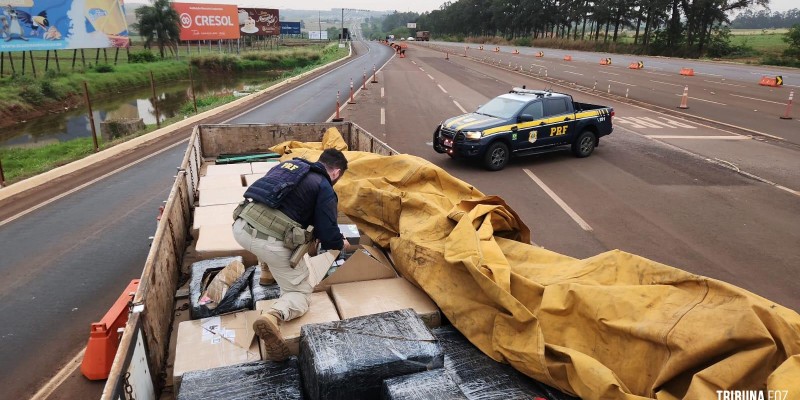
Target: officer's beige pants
(295, 289)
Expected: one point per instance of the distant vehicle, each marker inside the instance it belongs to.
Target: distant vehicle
(411, 38)
(423, 36)
(523, 122)
(402, 39)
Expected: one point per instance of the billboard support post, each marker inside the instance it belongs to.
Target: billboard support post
(91, 115)
(23, 64)
(2, 63)
(116, 55)
(58, 66)
(97, 57)
(33, 65)
(47, 61)
(83, 59)
(74, 56)
(105, 55)
(11, 61)
(155, 99)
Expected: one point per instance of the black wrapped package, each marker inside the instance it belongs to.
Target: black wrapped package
(435, 384)
(237, 297)
(478, 377)
(349, 359)
(263, 292)
(257, 380)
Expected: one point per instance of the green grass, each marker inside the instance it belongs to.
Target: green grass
(21, 163)
(769, 43)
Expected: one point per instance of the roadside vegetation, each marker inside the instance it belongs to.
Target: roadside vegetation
(21, 163)
(647, 27)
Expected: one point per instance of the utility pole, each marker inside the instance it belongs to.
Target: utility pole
(319, 21)
(343, 24)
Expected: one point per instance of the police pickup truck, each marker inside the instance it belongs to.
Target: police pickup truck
(523, 122)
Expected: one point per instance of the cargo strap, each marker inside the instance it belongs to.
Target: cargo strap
(265, 219)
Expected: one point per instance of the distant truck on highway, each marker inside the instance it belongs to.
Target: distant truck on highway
(523, 122)
(423, 36)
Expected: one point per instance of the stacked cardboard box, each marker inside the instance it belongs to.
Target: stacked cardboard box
(355, 299)
(320, 310)
(229, 169)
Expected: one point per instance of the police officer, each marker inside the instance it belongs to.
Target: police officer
(290, 197)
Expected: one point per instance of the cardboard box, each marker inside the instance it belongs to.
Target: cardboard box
(215, 342)
(218, 241)
(355, 299)
(350, 232)
(368, 263)
(320, 310)
(214, 289)
(229, 169)
(249, 179)
(211, 197)
(219, 214)
(220, 182)
(261, 167)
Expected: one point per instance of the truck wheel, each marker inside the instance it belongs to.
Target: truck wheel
(496, 157)
(584, 144)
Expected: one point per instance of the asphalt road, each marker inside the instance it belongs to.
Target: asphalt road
(724, 93)
(65, 263)
(655, 187)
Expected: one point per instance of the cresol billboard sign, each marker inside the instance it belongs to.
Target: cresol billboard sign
(207, 21)
(54, 25)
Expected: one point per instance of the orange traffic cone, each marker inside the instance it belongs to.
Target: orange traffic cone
(786, 114)
(685, 98)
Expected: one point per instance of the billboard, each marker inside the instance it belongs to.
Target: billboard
(318, 35)
(259, 21)
(290, 28)
(207, 21)
(411, 25)
(70, 24)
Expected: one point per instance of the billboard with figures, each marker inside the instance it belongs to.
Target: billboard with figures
(55, 25)
(259, 21)
(207, 21)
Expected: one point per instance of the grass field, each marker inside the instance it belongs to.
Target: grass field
(766, 41)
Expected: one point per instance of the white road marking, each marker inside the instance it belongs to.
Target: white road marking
(383, 116)
(382, 92)
(573, 73)
(440, 87)
(63, 374)
(420, 68)
(429, 76)
(567, 65)
(561, 203)
(657, 73)
(609, 73)
(725, 83)
(93, 181)
(621, 83)
(459, 107)
(707, 101)
(699, 137)
(667, 83)
(753, 98)
(707, 74)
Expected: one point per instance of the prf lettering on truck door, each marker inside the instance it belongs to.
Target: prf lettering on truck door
(559, 130)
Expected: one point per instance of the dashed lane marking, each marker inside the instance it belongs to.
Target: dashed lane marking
(440, 87)
(573, 73)
(667, 83)
(753, 98)
(383, 116)
(429, 76)
(609, 73)
(575, 217)
(459, 107)
(707, 101)
(699, 137)
(622, 83)
(724, 83)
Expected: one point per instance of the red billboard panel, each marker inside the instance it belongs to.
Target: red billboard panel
(207, 21)
(259, 21)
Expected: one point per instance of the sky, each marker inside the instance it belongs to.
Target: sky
(418, 6)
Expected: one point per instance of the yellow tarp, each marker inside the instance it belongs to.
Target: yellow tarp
(613, 326)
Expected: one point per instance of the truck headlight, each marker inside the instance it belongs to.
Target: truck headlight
(473, 135)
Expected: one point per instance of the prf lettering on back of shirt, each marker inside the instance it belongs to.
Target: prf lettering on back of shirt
(290, 167)
(558, 130)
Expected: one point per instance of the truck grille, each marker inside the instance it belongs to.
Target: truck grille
(446, 132)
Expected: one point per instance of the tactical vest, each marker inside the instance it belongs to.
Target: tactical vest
(279, 181)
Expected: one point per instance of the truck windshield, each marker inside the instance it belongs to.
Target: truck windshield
(501, 108)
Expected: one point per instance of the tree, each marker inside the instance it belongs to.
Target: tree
(159, 25)
(793, 39)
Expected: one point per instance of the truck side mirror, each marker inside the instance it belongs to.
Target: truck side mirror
(525, 118)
